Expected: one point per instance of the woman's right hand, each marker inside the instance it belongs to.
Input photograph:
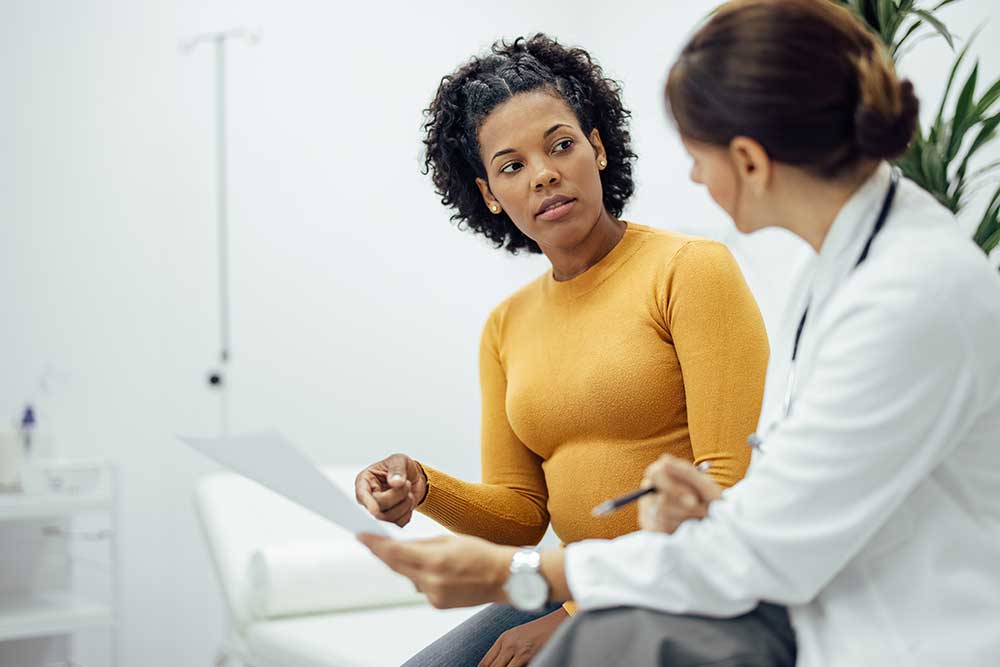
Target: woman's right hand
(391, 488)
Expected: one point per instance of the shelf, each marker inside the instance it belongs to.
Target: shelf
(48, 614)
(18, 507)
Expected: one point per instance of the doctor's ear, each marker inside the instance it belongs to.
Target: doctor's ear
(752, 163)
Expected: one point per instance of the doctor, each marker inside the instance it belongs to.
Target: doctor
(873, 508)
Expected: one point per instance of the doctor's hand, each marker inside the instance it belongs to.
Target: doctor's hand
(683, 492)
(452, 571)
(391, 488)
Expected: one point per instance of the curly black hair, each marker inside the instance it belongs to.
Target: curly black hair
(465, 98)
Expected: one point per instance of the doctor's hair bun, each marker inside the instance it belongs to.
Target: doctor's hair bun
(886, 116)
(806, 79)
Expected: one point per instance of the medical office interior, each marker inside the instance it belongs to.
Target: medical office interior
(348, 304)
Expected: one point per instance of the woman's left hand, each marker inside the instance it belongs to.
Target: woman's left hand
(453, 571)
(517, 646)
(682, 492)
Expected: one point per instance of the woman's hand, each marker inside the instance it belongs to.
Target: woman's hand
(683, 492)
(391, 488)
(451, 571)
(517, 646)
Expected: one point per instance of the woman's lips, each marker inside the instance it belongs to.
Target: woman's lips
(557, 212)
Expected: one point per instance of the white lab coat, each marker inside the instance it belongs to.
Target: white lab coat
(873, 511)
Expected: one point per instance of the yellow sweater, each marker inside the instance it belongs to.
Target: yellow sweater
(659, 347)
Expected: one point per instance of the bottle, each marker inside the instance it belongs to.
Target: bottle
(27, 430)
(31, 474)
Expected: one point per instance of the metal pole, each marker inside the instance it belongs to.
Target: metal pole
(221, 191)
(219, 377)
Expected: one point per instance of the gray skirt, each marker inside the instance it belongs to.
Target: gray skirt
(643, 638)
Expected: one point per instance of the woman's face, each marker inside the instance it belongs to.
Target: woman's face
(542, 169)
(715, 168)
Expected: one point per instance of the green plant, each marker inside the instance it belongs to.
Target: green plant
(939, 158)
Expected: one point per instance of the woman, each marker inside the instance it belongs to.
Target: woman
(636, 343)
(873, 510)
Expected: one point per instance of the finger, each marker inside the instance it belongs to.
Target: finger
(373, 542)
(504, 657)
(680, 499)
(649, 517)
(491, 655)
(519, 660)
(405, 519)
(363, 494)
(653, 468)
(388, 499)
(398, 512)
(396, 473)
(675, 491)
(385, 549)
(704, 485)
(394, 554)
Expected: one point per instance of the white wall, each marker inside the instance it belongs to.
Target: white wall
(356, 305)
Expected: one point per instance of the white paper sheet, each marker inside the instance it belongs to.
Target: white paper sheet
(269, 459)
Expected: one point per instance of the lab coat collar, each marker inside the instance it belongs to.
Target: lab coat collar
(849, 231)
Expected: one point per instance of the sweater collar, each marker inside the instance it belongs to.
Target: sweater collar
(579, 285)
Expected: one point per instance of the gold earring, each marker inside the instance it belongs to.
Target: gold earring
(603, 163)
(494, 208)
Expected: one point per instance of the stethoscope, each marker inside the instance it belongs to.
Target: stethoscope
(755, 440)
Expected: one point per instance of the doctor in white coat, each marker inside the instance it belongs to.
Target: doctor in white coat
(872, 509)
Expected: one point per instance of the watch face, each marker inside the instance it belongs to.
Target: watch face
(527, 590)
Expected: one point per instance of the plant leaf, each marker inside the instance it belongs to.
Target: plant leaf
(987, 234)
(935, 23)
(910, 160)
(893, 16)
(987, 132)
(906, 35)
(963, 120)
(982, 171)
(935, 177)
(912, 44)
(989, 225)
(951, 77)
(991, 95)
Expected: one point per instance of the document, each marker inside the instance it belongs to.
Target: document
(271, 460)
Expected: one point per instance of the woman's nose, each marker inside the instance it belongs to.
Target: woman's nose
(544, 178)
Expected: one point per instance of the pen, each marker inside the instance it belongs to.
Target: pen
(609, 506)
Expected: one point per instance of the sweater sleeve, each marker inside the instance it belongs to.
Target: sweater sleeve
(721, 344)
(509, 506)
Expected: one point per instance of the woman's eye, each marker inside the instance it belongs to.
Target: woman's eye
(563, 145)
(511, 167)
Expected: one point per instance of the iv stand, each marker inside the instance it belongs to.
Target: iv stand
(217, 378)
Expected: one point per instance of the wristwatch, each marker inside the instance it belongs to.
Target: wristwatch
(526, 588)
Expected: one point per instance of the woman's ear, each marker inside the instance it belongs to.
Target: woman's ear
(599, 153)
(488, 198)
(753, 164)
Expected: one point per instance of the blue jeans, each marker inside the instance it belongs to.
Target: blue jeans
(466, 645)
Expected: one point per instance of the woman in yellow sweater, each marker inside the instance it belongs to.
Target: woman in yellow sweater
(638, 342)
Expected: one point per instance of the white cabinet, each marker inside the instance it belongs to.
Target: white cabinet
(59, 568)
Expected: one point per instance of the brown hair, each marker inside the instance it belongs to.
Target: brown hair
(802, 77)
